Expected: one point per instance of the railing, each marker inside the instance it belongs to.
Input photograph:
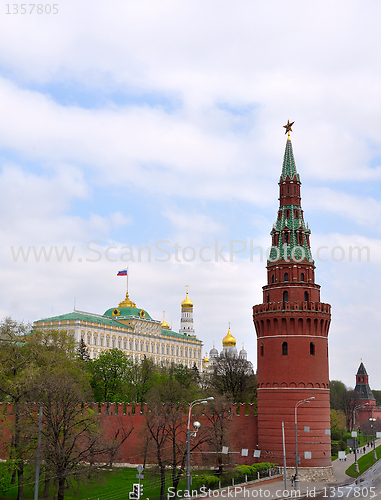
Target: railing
(292, 306)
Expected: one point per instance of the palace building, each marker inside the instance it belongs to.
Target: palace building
(134, 331)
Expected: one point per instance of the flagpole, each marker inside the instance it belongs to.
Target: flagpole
(127, 280)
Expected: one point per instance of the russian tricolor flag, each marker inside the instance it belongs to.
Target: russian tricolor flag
(122, 273)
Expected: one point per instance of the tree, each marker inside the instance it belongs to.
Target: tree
(234, 377)
(342, 398)
(83, 351)
(17, 374)
(70, 431)
(219, 418)
(110, 373)
(143, 375)
(166, 422)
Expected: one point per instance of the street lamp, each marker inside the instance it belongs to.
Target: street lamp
(296, 480)
(373, 420)
(354, 428)
(191, 405)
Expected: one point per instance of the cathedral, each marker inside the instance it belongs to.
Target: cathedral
(228, 349)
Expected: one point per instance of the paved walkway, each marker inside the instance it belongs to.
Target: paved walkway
(276, 490)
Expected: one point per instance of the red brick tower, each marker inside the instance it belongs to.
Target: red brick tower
(292, 338)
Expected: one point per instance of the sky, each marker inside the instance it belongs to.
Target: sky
(150, 135)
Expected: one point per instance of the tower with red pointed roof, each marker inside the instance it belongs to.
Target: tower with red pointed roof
(292, 338)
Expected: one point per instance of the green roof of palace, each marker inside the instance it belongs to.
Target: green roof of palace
(76, 315)
(127, 311)
(289, 167)
(177, 334)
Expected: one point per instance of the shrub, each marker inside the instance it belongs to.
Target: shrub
(210, 482)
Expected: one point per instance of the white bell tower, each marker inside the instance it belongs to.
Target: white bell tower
(186, 324)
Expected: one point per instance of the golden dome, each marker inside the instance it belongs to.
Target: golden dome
(127, 302)
(228, 340)
(187, 302)
(164, 324)
(206, 360)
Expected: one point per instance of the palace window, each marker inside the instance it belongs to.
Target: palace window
(107, 342)
(124, 344)
(88, 339)
(119, 344)
(95, 340)
(101, 340)
(113, 343)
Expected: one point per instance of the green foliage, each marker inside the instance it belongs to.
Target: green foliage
(109, 375)
(5, 478)
(210, 482)
(250, 471)
(377, 395)
(342, 399)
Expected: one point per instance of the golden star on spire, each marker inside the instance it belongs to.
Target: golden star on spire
(288, 127)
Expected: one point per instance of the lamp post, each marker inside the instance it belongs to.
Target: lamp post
(354, 428)
(373, 420)
(296, 481)
(191, 405)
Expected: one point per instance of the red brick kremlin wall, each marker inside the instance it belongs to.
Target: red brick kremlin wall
(113, 416)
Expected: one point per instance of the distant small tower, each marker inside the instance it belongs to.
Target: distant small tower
(186, 325)
(363, 393)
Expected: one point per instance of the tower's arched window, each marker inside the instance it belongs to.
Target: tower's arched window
(261, 350)
(284, 349)
(285, 276)
(285, 298)
(305, 296)
(288, 189)
(312, 348)
(294, 189)
(272, 278)
(301, 276)
(268, 297)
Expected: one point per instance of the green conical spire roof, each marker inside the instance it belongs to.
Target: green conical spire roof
(290, 218)
(289, 167)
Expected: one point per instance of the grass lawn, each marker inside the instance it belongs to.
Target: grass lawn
(364, 463)
(108, 485)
